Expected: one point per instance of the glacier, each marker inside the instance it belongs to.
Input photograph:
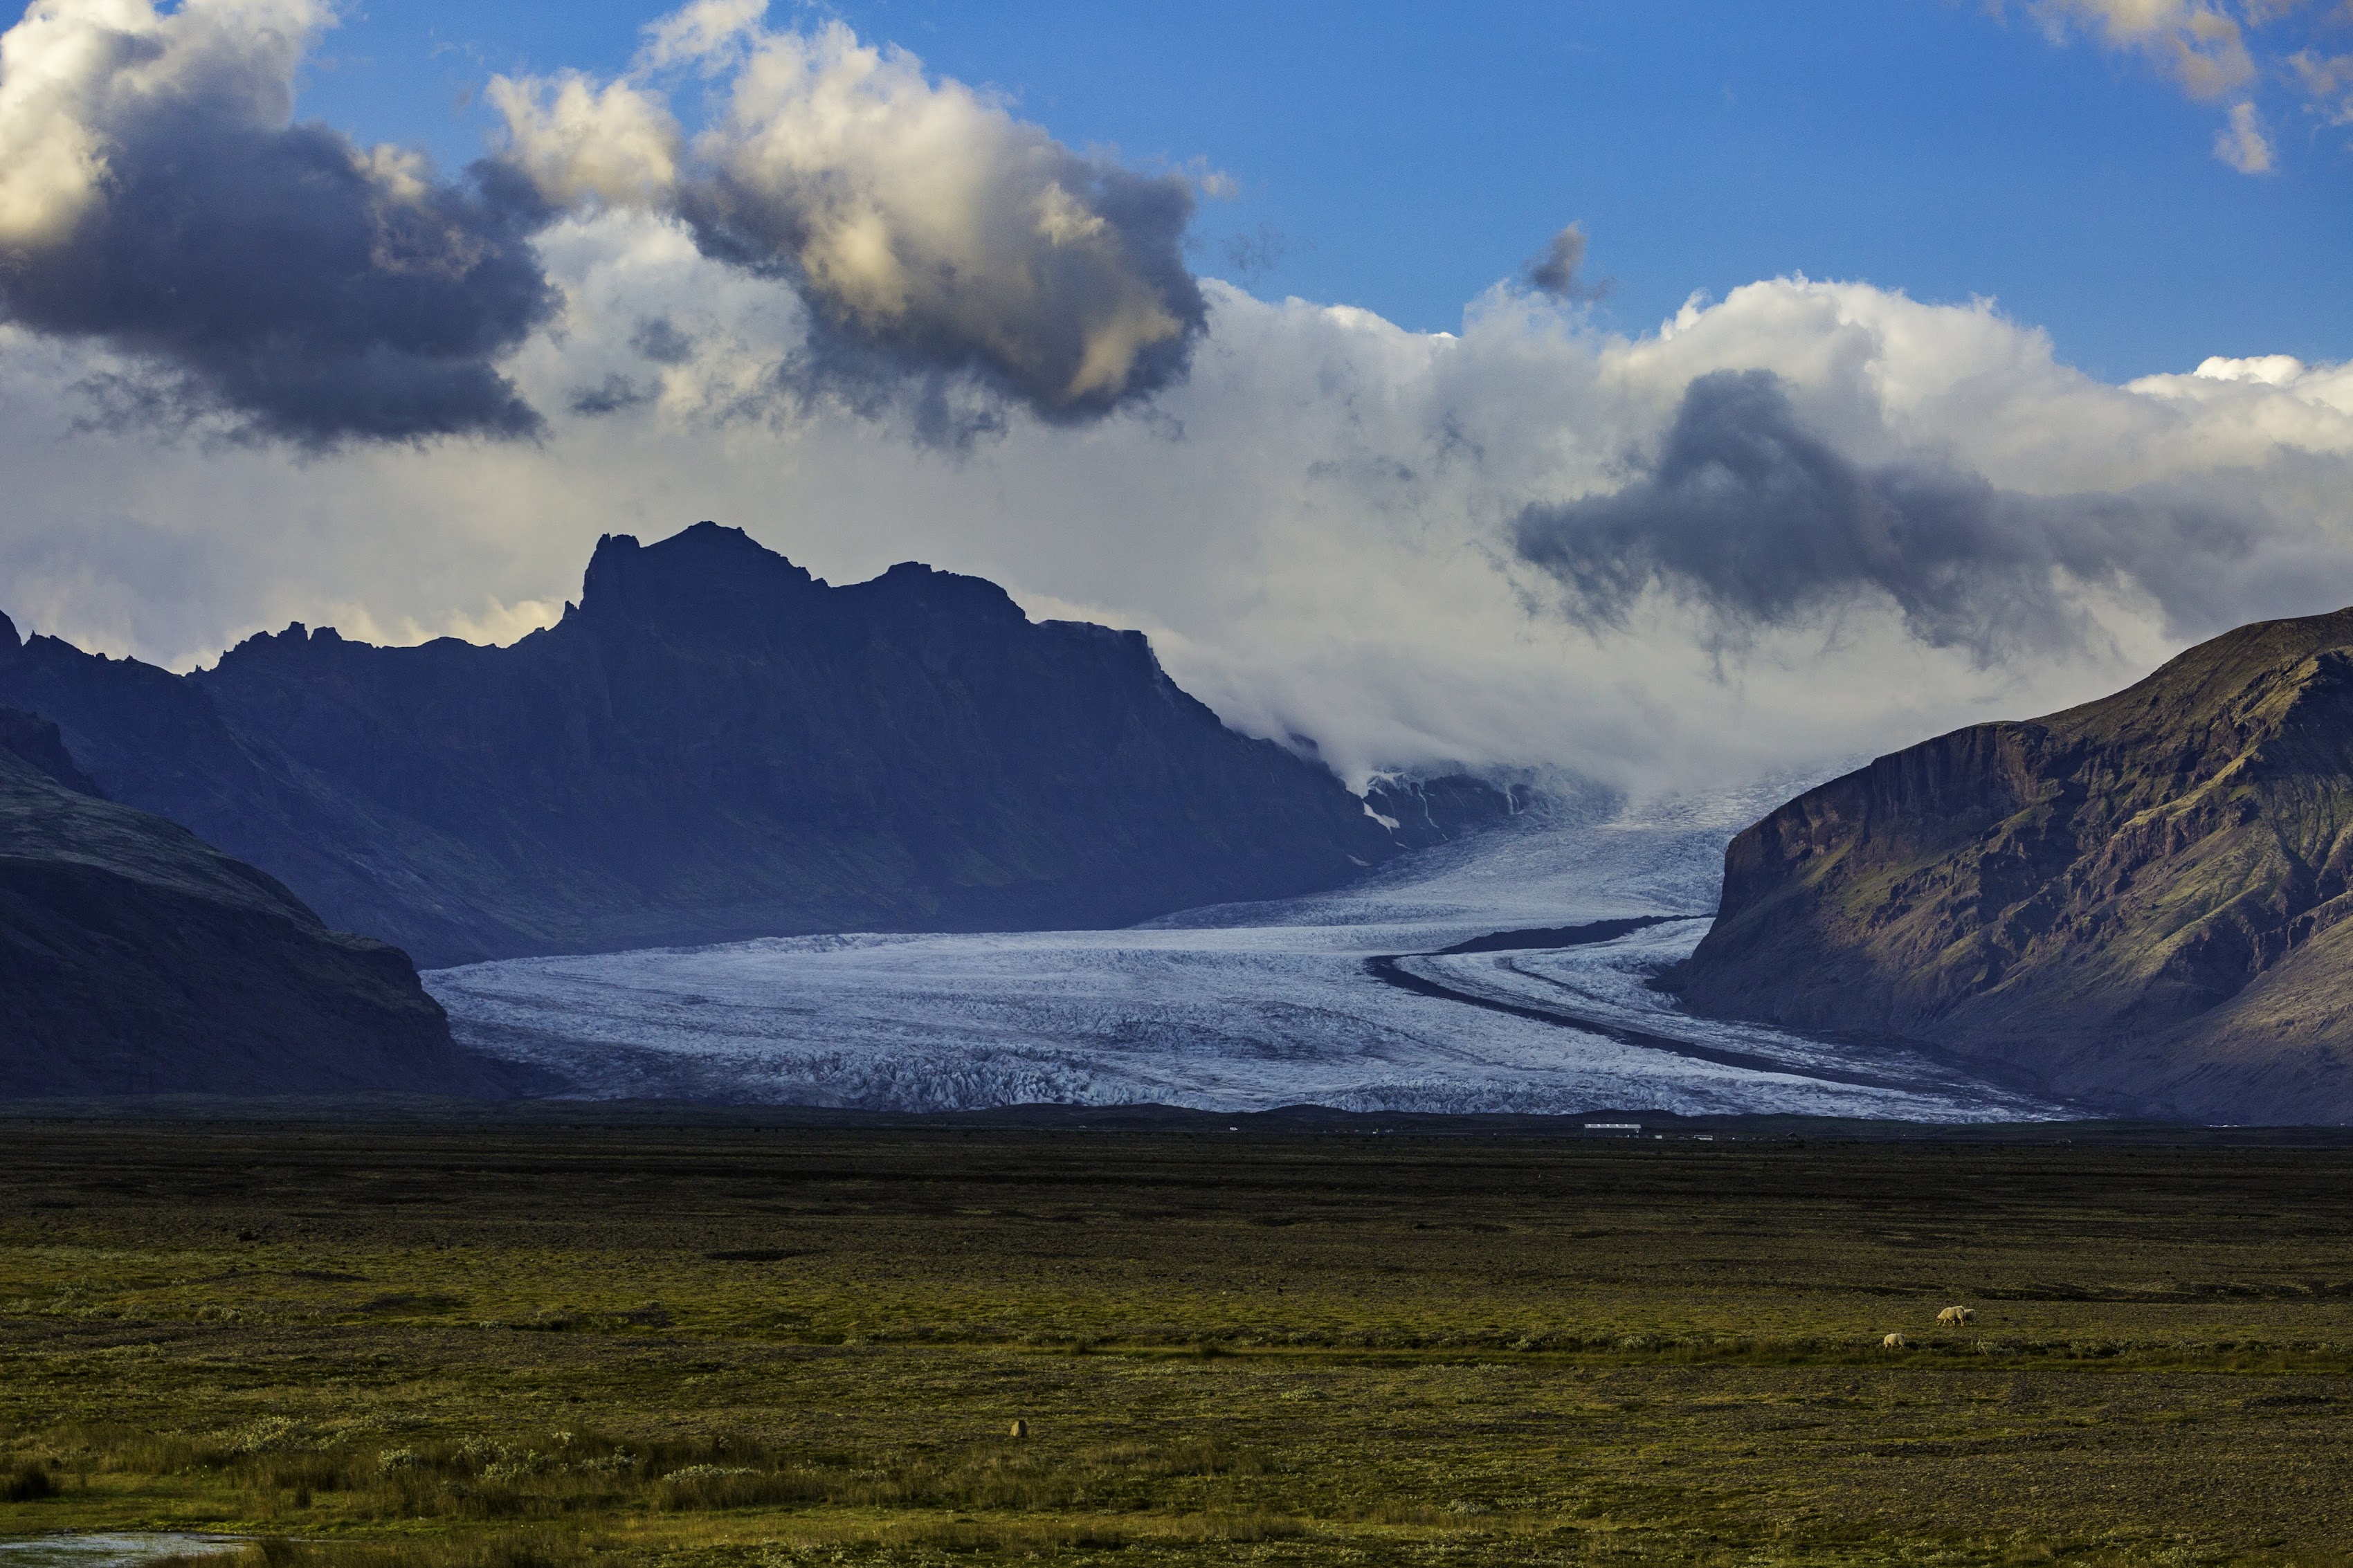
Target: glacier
(1340, 999)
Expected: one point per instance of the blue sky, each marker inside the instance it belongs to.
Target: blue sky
(1403, 157)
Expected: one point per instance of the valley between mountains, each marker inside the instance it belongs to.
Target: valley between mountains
(1234, 1007)
(729, 832)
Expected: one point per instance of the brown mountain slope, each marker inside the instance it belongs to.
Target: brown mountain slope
(2140, 903)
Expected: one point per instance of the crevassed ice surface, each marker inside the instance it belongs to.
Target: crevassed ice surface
(1235, 1007)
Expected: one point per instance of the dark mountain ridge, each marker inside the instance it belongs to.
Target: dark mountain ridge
(136, 960)
(712, 745)
(2142, 901)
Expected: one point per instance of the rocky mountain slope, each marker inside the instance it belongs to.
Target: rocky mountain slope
(2140, 902)
(1421, 812)
(135, 959)
(712, 745)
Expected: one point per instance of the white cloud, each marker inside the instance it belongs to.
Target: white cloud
(701, 33)
(2216, 49)
(2329, 80)
(2242, 144)
(918, 209)
(2201, 46)
(578, 142)
(921, 219)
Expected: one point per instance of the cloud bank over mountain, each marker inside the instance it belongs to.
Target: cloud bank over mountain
(869, 315)
(1761, 522)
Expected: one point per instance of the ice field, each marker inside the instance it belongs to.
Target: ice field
(1234, 1007)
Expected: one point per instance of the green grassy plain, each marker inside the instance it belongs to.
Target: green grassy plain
(728, 1345)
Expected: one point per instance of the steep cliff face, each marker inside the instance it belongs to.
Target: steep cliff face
(713, 745)
(135, 959)
(2140, 902)
(1423, 812)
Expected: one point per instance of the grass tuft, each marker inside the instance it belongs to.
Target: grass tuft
(30, 1483)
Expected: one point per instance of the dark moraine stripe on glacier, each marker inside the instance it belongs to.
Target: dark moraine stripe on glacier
(1543, 938)
(1388, 969)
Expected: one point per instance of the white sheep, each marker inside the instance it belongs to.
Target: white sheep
(1958, 1316)
(1895, 1343)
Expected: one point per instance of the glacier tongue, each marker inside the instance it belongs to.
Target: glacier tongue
(1235, 1007)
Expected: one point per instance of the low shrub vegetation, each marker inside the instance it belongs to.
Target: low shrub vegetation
(504, 1348)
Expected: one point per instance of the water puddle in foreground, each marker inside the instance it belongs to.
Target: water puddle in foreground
(110, 1551)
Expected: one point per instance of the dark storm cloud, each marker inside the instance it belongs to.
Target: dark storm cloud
(1756, 517)
(275, 276)
(611, 396)
(658, 340)
(1554, 269)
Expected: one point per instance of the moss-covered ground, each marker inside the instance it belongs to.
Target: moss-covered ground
(729, 1345)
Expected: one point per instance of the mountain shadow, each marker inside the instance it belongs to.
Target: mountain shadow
(2141, 902)
(712, 745)
(136, 960)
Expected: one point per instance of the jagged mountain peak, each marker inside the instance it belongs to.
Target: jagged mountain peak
(691, 575)
(719, 581)
(927, 590)
(715, 745)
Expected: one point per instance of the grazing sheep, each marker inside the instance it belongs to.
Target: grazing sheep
(1021, 1429)
(1957, 1315)
(1895, 1343)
